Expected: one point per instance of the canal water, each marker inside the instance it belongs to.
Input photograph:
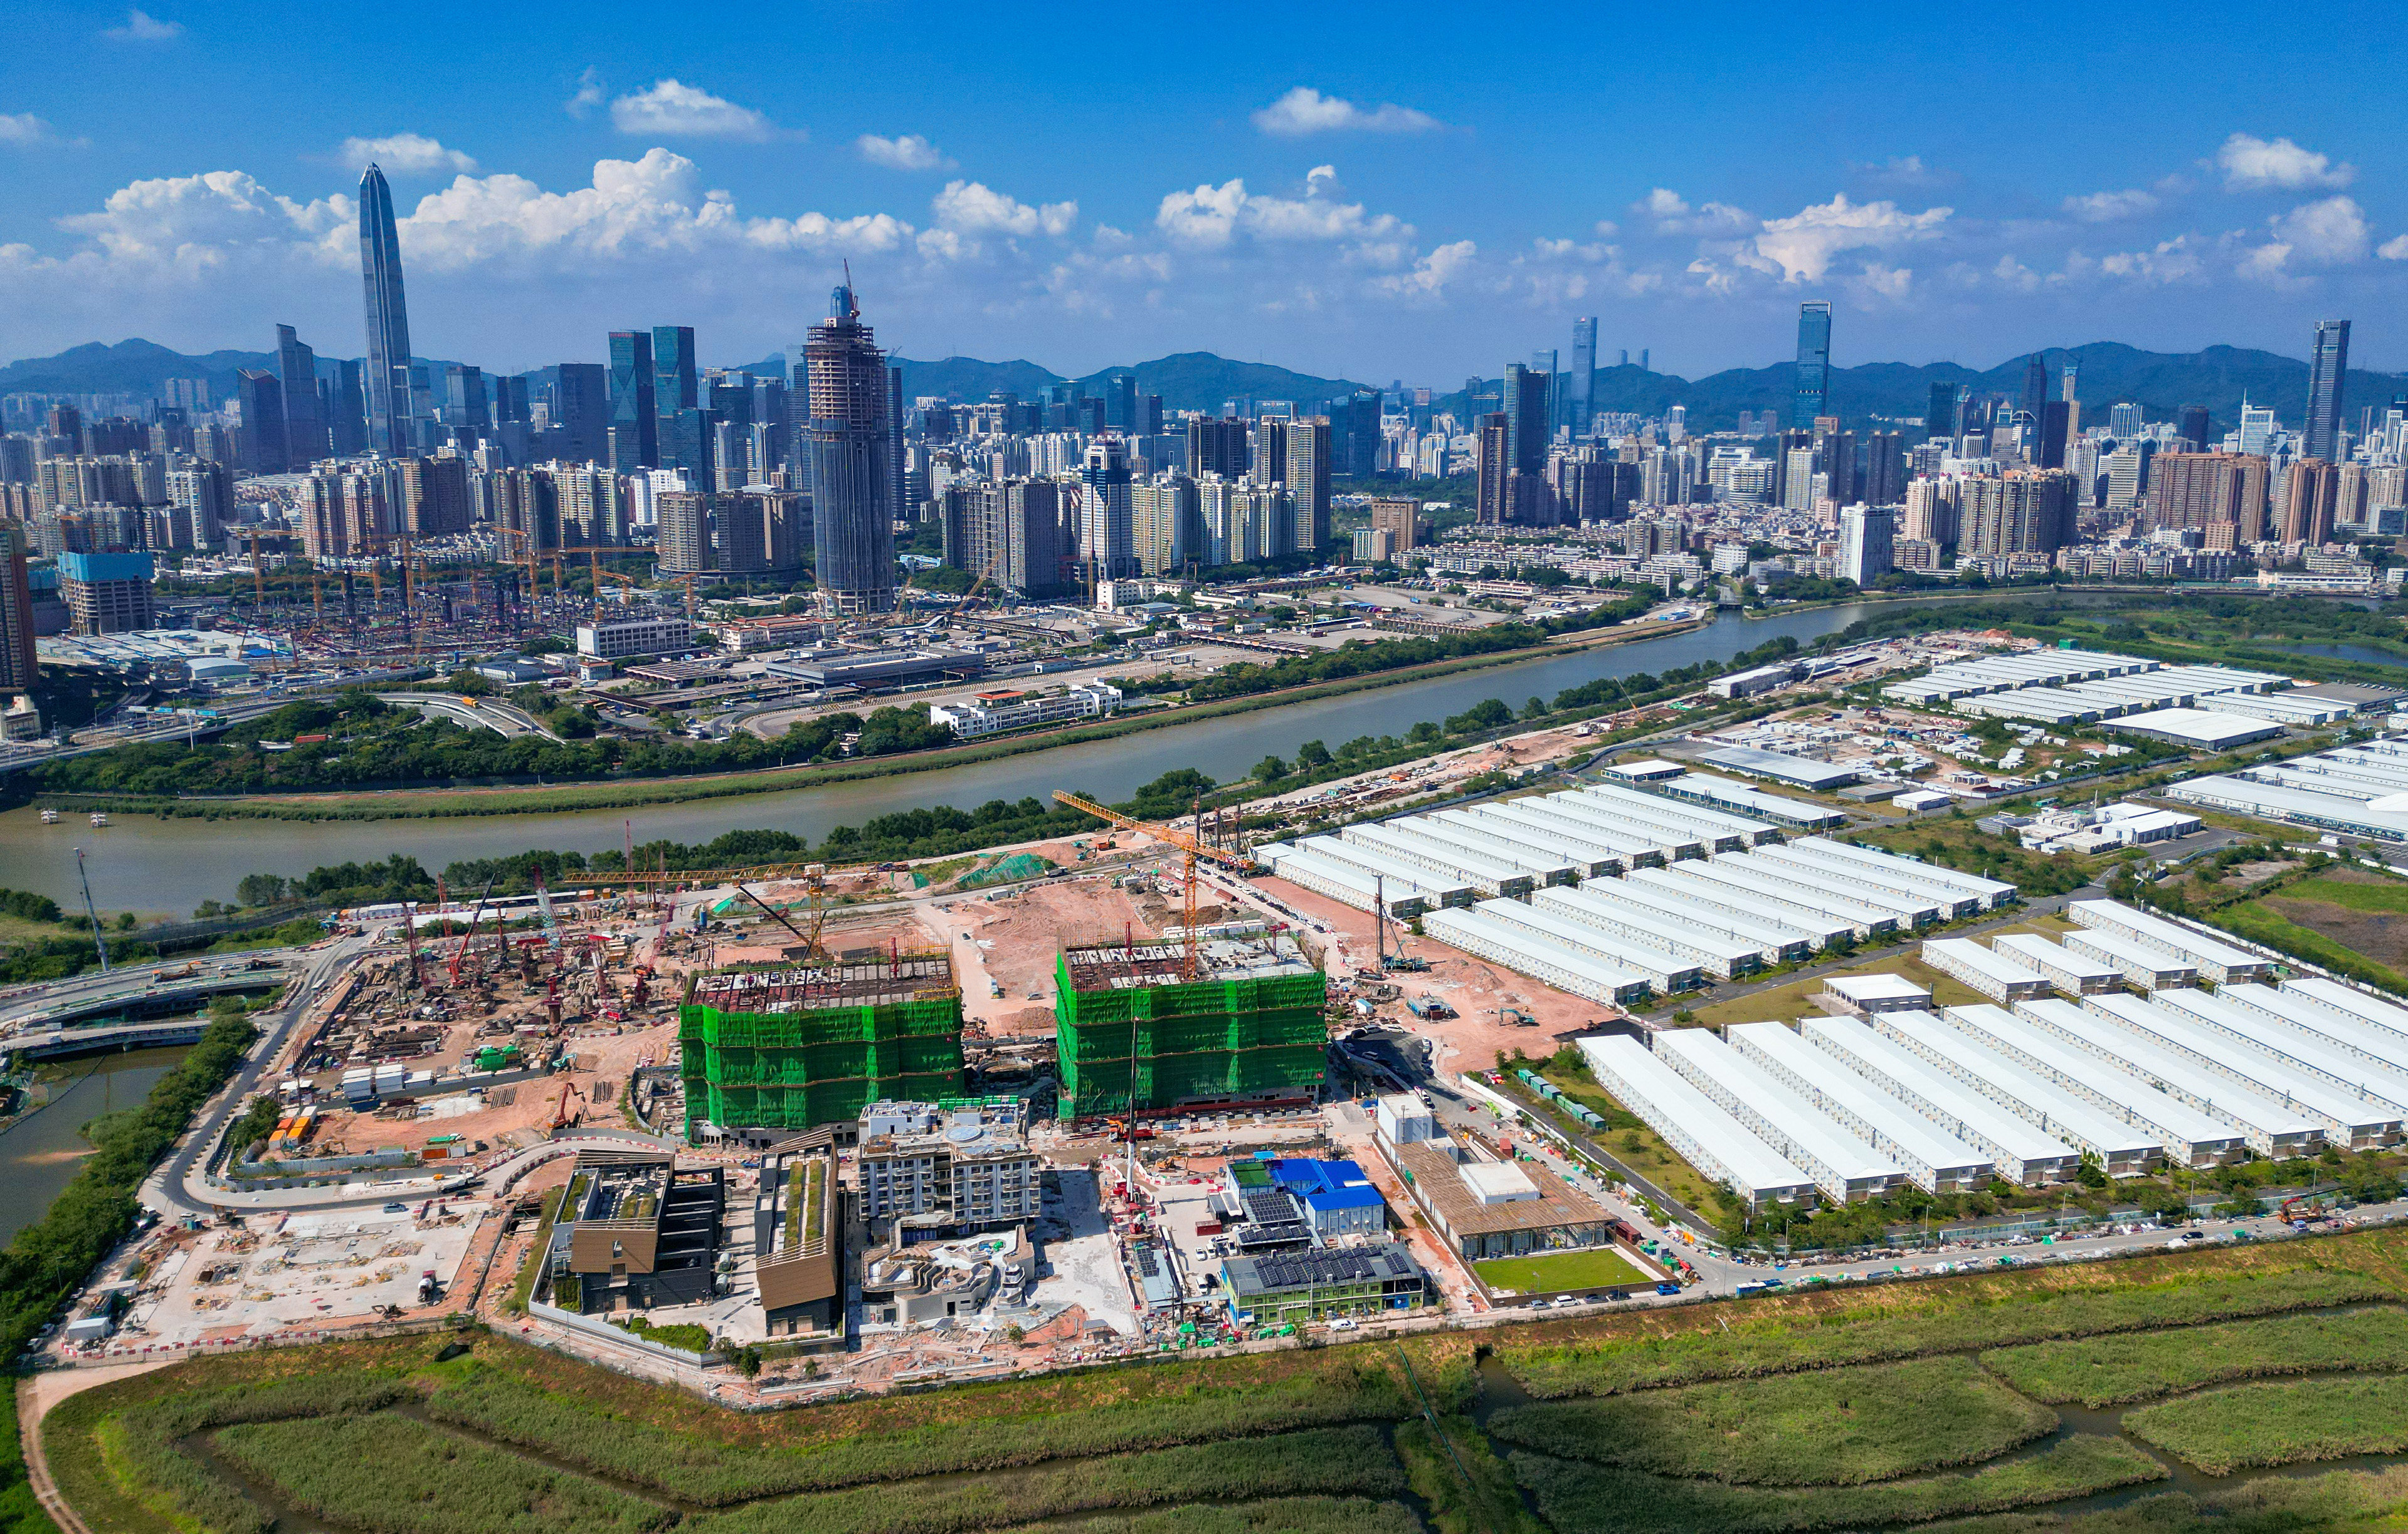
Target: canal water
(41, 1152)
(168, 866)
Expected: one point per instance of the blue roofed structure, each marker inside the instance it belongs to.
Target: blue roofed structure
(1337, 1198)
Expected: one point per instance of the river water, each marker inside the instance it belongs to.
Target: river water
(167, 866)
(41, 1152)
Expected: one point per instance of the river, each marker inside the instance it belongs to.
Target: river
(166, 867)
(43, 1151)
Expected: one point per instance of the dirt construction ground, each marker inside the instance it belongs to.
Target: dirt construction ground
(1011, 939)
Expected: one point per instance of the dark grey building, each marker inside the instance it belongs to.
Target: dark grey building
(391, 428)
(634, 431)
(262, 397)
(853, 523)
(305, 439)
(2328, 369)
(680, 438)
(1813, 383)
(1528, 422)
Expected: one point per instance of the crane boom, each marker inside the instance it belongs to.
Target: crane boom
(461, 952)
(1160, 833)
(551, 922)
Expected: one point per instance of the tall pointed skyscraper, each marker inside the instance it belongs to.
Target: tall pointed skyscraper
(2327, 371)
(851, 502)
(387, 375)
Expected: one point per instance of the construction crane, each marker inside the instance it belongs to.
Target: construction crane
(1234, 862)
(461, 952)
(551, 922)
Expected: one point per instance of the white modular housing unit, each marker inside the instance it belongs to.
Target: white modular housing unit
(1530, 816)
(2122, 1149)
(1811, 860)
(1918, 906)
(1776, 942)
(1991, 894)
(1594, 859)
(1669, 840)
(1934, 1162)
(2354, 1036)
(1699, 1131)
(2130, 1032)
(1842, 1165)
(1445, 889)
(2332, 995)
(1994, 975)
(1666, 969)
(2145, 966)
(1718, 955)
(1736, 798)
(1347, 884)
(2271, 1061)
(1518, 948)
(1822, 929)
(1547, 865)
(2076, 974)
(2218, 961)
(2190, 1134)
(1487, 875)
(1875, 914)
(2022, 1153)
(1717, 825)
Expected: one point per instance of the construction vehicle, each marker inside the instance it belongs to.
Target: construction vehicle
(561, 1118)
(1429, 1008)
(1516, 1016)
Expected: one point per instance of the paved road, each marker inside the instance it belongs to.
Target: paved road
(504, 719)
(36, 1007)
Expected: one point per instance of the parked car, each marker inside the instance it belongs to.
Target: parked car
(1668, 1288)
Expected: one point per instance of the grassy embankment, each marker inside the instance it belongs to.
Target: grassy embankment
(2288, 1422)
(411, 804)
(2347, 921)
(2105, 1371)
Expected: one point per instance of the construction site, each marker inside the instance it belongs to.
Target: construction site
(1234, 1020)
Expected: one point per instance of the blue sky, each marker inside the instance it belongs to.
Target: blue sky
(1408, 190)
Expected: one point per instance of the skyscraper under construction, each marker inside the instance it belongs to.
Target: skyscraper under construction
(852, 500)
(1138, 1031)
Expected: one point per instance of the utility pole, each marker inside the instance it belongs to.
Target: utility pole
(97, 942)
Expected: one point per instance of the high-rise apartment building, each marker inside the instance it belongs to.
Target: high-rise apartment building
(1217, 445)
(17, 662)
(391, 428)
(1401, 519)
(1308, 480)
(2203, 490)
(2312, 492)
(433, 495)
(635, 424)
(852, 520)
(2023, 511)
(1867, 534)
(1813, 390)
(107, 593)
(2328, 371)
(202, 495)
(1166, 520)
(1492, 465)
(1107, 536)
(682, 531)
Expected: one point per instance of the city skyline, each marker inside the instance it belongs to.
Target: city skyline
(1335, 209)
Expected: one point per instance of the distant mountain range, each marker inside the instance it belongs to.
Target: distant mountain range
(2159, 382)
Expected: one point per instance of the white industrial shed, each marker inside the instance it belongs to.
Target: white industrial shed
(2076, 974)
(1641, 802)
(2040, 704)
(2347, 813)
(1994, 975)
(1571, 834)
(1666, 840)
(1934, 1161)
(1820, 928)
(2218, 961)
(2158, 1047)
(1445, 890)
(1719, 956)
(2003, 673)
(1487, 875)
(2022, 1153)
(1750, 803)
(2352, 1036)
(1700, 1133)
(2198, 728)
(1842, 1165)
(2333, 996)
(1596, 858)
(1813, 861)
(2189, 1135)
(2281, 708)
(1518, 948)
(1540, 868)
(1763, 883)
(1903, 911)
(2274, 1052)
(1666, 971)
(1346, 884)
(2150, 968)
(1992, 893)
(1778, 941)
(2122, 1149)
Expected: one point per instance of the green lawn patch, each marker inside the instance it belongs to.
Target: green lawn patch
(1547, 1273)
(2280, 1424)
(2259, 922)
(1833, 1427)
(1578, 1498)
(389, 1474)
(1338, 1460)
(2136, 1367)
(2388, 896)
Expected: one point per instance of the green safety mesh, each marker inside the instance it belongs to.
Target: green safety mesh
(1144, 1047)
(797, 1070)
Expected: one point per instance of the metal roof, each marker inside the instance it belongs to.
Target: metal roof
(1873, 1056)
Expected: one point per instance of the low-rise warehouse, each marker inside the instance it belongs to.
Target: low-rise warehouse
(1348, 885)
(1912, 898)
(1842, 1165)
(1666, 971)
(2076, 974)
(2188, 1134)
(1763, 913)
(1864, 995)
(2335, 1065)
(1984, 893)
(1775, 943)
(2039, 1101)
(1571, 970)
(1719, 825)
(2323, 1025)
(1698, 1130)
(2021, 1153)
(2146, 966)
(2198, 728)
(1437, 889)
(2335, 996)
(2255, 1082)
(1601, 849)
(1487, 876)
(1545, 864)
(2247, 794)
(1994, 975)
(1704, 788)
(1496, 1208)
(2128, 1032)
(1595, 905)
(1536, 847)
(2218, 961)
(1666, 843)
(1873, 912)
(1934, 1161)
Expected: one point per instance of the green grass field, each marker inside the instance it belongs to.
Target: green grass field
(2281, 1424)
(1548, 1274)
(2100, 1371)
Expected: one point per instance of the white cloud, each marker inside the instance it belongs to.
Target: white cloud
(22, 128)
(2111, 207)
(909, 152)
(589, 94)
(143, 27)
(2393, 249)
(1431, 273)
(199, 221)
(2013, 274)
(1306, 111)
(1210, 217)
(1903, 171)
(2175, 260)
(971, 208)
(408, 154)
(2254, 165)
(2331, 233)
(1878, 283)
(1673, 215)
(1803, 246)
(671, 108)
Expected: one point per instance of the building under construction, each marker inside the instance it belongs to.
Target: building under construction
(766, 1053)
(1138, 1033)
